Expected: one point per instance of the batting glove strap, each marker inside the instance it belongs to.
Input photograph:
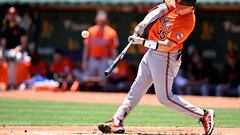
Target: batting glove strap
(150, 44)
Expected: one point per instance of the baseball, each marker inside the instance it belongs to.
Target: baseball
(85, 34)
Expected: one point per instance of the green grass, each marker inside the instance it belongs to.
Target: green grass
(25, 112)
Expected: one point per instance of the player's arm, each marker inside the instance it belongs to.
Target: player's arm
(3, 43)
(23, 41)
(152, 16)
(114, 44)
(1, 52)
(165, 45)
(23, 44)
(85, 56)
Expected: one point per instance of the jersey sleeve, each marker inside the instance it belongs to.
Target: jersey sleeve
(154, 14)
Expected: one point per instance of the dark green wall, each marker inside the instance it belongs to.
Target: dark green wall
(209, 34)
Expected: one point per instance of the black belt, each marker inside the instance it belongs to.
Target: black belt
(179, 55)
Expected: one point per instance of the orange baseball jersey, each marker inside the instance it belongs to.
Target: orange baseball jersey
(3, 72)
(175, 27)
(39, 68)
(64, 67)
(100, 43)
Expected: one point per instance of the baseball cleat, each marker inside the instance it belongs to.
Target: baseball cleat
(111, 127)
(208, 121)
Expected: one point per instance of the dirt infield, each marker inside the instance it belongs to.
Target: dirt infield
(115, 98)
(75, 130)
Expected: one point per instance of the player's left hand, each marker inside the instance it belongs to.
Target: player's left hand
(136, 40)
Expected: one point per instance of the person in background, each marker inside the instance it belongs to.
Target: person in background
(12, 45)
(203, 76)
(62, 70)
(197, 75)
(13, 37)
(61, 64)
(230, 79)
(38, 65)
(99, 47)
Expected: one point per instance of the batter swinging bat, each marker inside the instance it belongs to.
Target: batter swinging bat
(109, 70)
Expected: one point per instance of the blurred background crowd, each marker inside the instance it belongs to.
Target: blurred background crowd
(41, 47)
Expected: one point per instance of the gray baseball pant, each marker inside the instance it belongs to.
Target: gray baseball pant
(159, 68)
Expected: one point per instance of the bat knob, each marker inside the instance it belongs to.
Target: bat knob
(107, 73)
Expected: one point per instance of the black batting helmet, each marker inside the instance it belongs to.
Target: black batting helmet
(172, 4)
(188, 2)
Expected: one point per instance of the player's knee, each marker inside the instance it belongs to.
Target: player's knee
(163, 100)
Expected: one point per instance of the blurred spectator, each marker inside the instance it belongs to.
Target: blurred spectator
(13, 43)
(38, 66)
(61, 64)
(13, 37)
(230, 79)
(197, 76)
(203, 76)
(99, 47)
(62, 70)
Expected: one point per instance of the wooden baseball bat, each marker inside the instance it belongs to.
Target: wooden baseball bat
(109, 70)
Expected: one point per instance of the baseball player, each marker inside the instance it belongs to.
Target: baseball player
(173, 21)
(99, 47)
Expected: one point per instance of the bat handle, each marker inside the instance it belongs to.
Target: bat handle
(109, 70)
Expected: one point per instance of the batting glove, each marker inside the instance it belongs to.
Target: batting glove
(136, 40)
